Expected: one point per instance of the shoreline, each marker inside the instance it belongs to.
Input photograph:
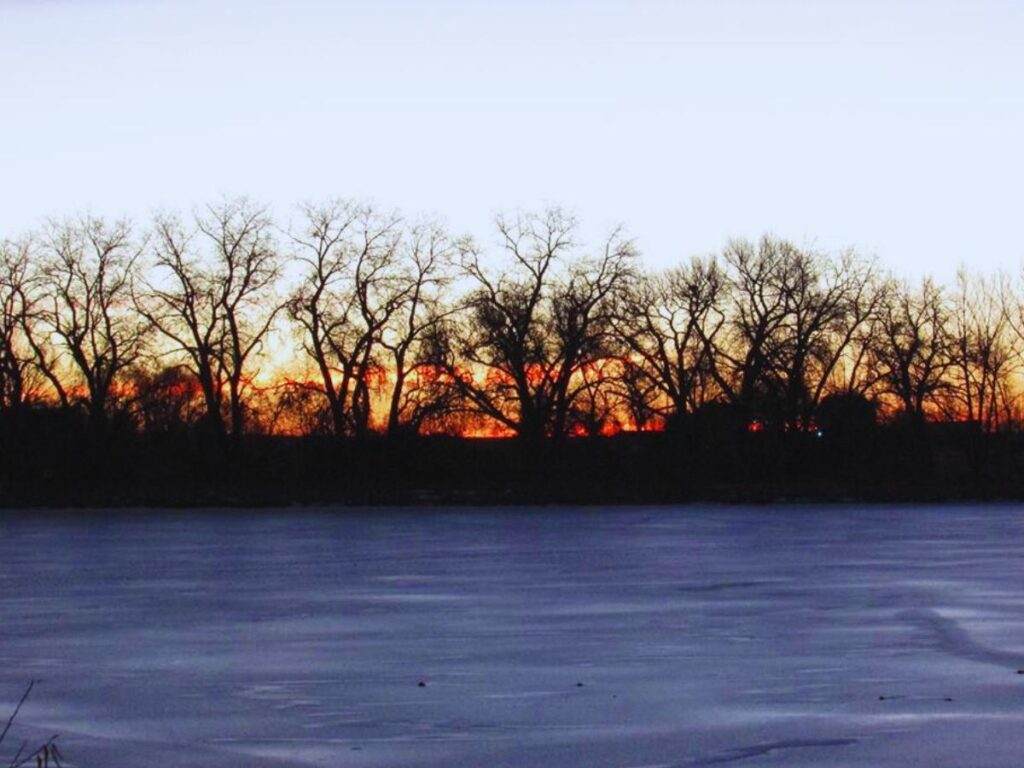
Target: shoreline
(745, 497)
(642, 469)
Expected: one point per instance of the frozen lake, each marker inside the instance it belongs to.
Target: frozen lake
(626, 638)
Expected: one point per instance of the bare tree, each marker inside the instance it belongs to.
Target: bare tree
(418, 335)
(315, 305)
(793, 318)
(349, 293)
(912, 349)
(246, 268)
(19, 298)
(854, 373)
(298, 409)
(668, 324)
(181, 302)
(637, 394)
(531, 328)
(829, 300)
(983, 349)
(88, 274)
(215, 306)
(166, 399)
(744, 357)
(598, 407)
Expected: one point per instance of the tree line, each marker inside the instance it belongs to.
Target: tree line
(356, 322)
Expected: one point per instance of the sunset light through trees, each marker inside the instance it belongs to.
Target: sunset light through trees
(354, 322)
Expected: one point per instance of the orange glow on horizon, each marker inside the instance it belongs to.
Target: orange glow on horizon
(294, 404)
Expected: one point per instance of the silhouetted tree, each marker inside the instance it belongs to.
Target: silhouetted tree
(420, 389)
(983, 350)
(298, 409)
(531, 327)
(912, 349)
(597, 408)
(182, 303)
(793, 317)
(215, 306)
(828, 302)
(407, 329)
(351, 289)
(758, 307)
(668, 325)
(19, 299)
(166, 400)
(854, 372)
(88, 273)
(638, 395)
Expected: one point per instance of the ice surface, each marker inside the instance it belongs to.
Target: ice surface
(625, 638)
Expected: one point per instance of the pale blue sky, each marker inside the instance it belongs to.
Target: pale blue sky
(893, 126)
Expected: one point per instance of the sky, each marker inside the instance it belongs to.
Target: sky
(893, 127)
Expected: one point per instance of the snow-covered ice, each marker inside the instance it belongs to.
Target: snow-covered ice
(625, 638)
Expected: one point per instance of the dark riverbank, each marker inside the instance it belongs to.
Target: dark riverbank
(890, 464)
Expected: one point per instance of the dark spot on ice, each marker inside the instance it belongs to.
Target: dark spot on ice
(717, 586)
(947, 699)
(881, 698)
(579, 685)
(1020, 671)
(421, 684)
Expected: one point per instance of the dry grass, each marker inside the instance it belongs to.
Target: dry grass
(43, 756)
